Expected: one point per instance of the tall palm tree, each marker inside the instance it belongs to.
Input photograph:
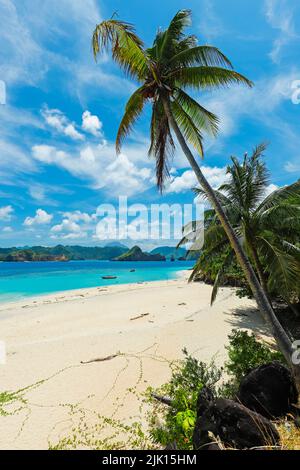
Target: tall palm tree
(268, 227)
(164, 71)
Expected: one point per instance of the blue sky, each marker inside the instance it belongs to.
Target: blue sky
(57, 158)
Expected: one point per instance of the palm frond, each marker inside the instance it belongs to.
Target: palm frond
(286, 193)
(127, 47)
(162, 145)
(283, 268)
(174, 33)
(133, 109)
(187, 126)
(200, 55)
(202, 118)
(206, 77)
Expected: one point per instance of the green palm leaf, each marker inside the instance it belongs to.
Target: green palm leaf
(127, 47)
(200, 55)
(187, 127)
(202, 118)
(133, 109)
(206, 77)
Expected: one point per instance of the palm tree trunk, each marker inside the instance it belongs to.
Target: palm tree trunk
(281, 337)
(258, 266)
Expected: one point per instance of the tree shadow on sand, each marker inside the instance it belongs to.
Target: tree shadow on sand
(247, 318)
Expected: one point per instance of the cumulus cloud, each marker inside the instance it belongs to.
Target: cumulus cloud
(185, 182)
(58, 121)
(7, 229)
(41, 217)
(6, 213)
(67, 229)
(91, 123)
(78, 216)
(100, 165)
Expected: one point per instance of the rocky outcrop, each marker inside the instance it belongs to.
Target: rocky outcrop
(233, 424)
(136, 254)
(269, 390)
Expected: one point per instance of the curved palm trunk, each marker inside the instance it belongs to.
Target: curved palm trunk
(258, 266)
(281, 337)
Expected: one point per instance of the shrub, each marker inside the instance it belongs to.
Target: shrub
(244, 354)
(176, 423)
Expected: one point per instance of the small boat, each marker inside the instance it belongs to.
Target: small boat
(132, 271)
(109, 277)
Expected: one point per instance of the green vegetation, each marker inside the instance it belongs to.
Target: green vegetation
(61, 253)
(188, 377)
(176, 422)
(268, 226)
(136, 254)
(244, 354)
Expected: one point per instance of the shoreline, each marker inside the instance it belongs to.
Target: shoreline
(73, 294)
(35, 298)
(53, 345)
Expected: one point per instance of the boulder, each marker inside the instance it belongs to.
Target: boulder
(235, 425)
(205, 398)
(269, 390)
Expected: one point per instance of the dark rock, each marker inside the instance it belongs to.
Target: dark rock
(235, 425)
(205, 398)
(269, 390)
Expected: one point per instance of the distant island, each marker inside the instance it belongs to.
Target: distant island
(136, 254)
(111, 251)
(61, 253)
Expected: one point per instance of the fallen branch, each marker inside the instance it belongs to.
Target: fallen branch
(100, 359)
(164, 400)
(139, 316)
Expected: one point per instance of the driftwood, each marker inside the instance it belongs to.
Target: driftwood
(164, 400)
(100, 359)
(139, 316)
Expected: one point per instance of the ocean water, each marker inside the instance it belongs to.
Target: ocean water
(19, 280)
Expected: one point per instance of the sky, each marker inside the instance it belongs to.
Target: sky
(61, 110)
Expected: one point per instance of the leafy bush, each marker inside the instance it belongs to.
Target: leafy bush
(244, 354)
(176, 422)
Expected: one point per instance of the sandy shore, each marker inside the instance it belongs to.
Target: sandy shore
(47, 338)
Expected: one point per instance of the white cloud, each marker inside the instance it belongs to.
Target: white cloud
(187, 181)
(41, 217)
(7, 229)
(68, 229)
(78, 216)
(100, 165)
(66, 225)
(58, 121)
(6, 212)
(280, 16)
(91, 123)
(270, 189)
(293, 167)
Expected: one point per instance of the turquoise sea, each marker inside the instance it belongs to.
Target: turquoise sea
(19, 280)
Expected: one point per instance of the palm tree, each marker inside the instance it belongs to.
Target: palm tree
(164, 71)
(268, 227)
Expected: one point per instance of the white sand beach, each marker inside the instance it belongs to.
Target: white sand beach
(47, 338)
